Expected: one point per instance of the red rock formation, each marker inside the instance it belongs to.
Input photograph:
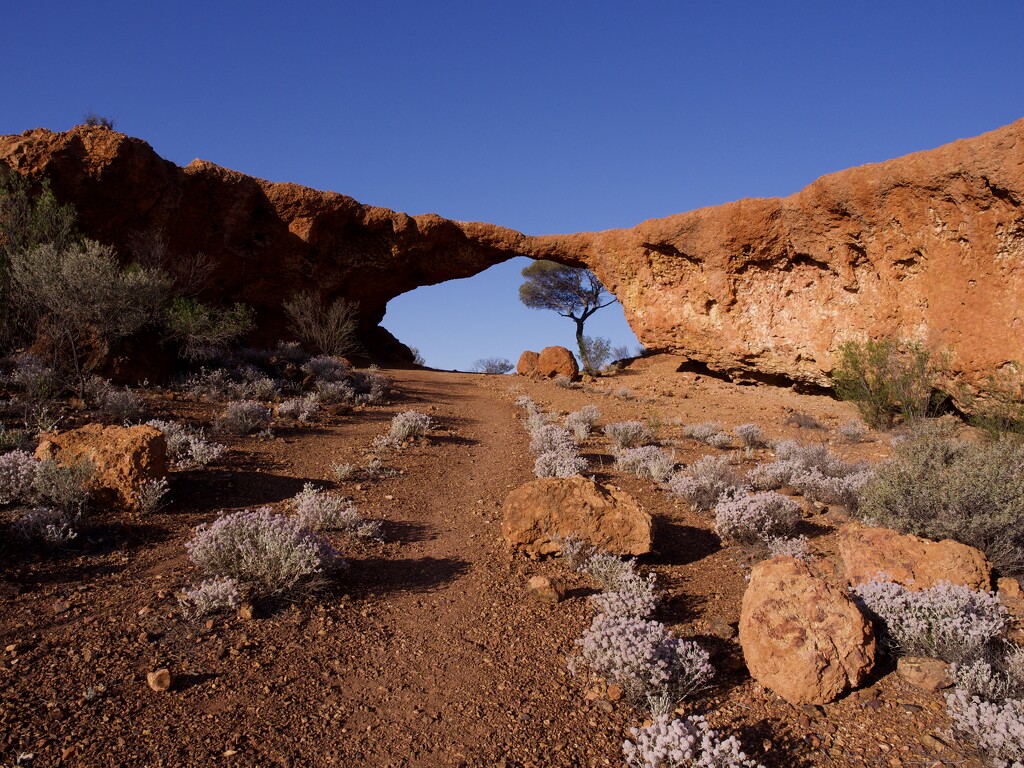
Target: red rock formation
(929, 246)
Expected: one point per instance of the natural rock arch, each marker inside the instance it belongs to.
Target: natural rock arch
(930, 246)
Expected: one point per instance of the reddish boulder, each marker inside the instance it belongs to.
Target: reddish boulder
(124, 457)
(557, 361)
(527, 365)
(537, 514)
(801, 637)
(914, 562)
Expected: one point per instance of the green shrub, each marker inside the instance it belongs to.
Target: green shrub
(1001, 410)
(940, 487)
(887, 380)
(205, 332)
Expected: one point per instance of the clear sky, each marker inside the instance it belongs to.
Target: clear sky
(542, 116)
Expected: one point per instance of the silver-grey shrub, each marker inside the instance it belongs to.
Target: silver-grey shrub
(408, 424)
(303, 409)
(150, 496)
(996, 728)
(66, 487)
(751, 435)
(648, 461)
(748, 519)
(331, 392)
(703, 431)
(270, 554)
(628, 434)
(326, 368)
(781, 546)
(634, 596)
(551, 437)
(942, 488)
(705, 481)
(219, 594)
(581, 423)
(995, 676)
(44, 525)
(611, 572)
(323, 511)
(947, 621)
(187, 448)
(643, 657)
(17, 477)
(683, 743)
(564, 463)
(244, 417)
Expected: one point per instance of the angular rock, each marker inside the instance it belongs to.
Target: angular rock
(124, 457)
(536, 514)
(927, 674)
(546, 589)
(557, 361)
(801, 637)
(527, 365)
(911, 561)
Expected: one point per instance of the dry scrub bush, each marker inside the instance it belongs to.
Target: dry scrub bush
(187, 448)
(628, 434)
(947, 621)
(564, 463)
(269, 554)
(44, 525)
(496, 365)
(244, 417)
(647, 461)
(943, 488)
(756, 518)
(216, 595)
(322, 511)
(331, 328)
(326, 368)
(705, 481)
(683, 743)
(582, 422)
(751, 435)
(303, 409)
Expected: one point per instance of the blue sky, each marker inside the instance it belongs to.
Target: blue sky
(545, 117)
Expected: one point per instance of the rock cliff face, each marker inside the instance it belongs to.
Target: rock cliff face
(929, 247)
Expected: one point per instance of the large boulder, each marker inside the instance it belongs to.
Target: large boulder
(124, 457)
(801, 637)
(914, 562)
(538, 514)
(527, 365)
(557, 361)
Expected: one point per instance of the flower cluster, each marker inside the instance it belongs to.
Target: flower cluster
(683, 743)
(755, 518)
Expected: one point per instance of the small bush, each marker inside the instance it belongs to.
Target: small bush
(594, 353)
(44, 525)
(331, 328)
(611, 573)
(564, 382)
(643, 657)
(756, 518)
(634, 597)
(12, 439)
(370, 387)
(326, 368)
(947, 621)
(942, 488)
(187, 448)
(17, 477)
(704, 482)
(244, 417)
(322, 511)
(67, 488)
(646, 461)
(682, 743)
(116, 406)
(852, 431)
(721, 440)
(703, 431)
(216, 595)
(268, 553)
(551, 437)
(997, 676)
(563, 463)
(409, 424)
(751, 435)
(628, 434)
(995, 728)
(803, 420)
(886, 380)
(331, 392)
(304, 409)
(1001, 410)
(623, 393)
(783, 547)
(527, 404)
(149, 497)
(35, 378)
(498, 365)
(581, 422)
(205, 332)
